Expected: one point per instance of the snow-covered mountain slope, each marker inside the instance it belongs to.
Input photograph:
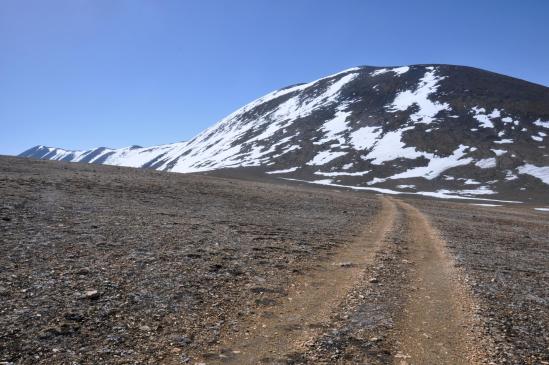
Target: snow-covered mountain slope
(434, 129)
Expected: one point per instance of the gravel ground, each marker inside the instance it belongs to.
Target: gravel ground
(362, 326)
(504, 251)
(116, 265)
(125, 266)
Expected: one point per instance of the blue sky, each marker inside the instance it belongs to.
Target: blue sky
(85, 73)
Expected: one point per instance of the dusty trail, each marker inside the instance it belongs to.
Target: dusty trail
(277, 332)
(437, 323)
(434, 326)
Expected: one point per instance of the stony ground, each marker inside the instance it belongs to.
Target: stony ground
(123, 266)
(505, 254)
(116, 265)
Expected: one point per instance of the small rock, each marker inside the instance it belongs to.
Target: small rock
(346, 264)
(373, 280)
(72, 316)
(83, 271)
(145, 328)
(92, 294)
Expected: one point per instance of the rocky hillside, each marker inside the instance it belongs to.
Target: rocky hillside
(436, 130)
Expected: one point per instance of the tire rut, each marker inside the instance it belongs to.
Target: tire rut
(273, 334)
(437, 325)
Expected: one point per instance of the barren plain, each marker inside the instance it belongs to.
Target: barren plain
(116, 265)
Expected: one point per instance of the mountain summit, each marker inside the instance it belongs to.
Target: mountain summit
(436, 130)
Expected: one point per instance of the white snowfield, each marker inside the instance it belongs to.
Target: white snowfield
(419, 97)
(397, 70)
(443, 194)
(268, 132)
(128, 156)
(486, 205)
(498, 152)
(342, 173)
(285, 171)
(486, 163)
(540, 172)
(542, 123)
(324, 157)
(485, 120)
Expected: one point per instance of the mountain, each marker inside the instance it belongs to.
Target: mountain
(437, 130)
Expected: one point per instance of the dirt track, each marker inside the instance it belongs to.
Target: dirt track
(438, 322)
(287, 327)
(436, 325)
(125, 266)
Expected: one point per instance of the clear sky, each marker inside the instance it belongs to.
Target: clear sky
(85, 73)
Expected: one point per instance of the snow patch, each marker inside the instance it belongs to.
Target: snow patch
(428, 109)
(291, 169)
(485, 120)
(499, 152)
(342, 173)
(334, 126)
(365, 137)
(443, 194)
(541, 123)
(486, 163)
(541, 173)
(471, 182)
(391, 147)
(406, 186)
(509, 176)
(481, 190)
(324, 157)
(397, 70)
(436, 165)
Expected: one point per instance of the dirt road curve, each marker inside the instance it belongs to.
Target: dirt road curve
(434, 324)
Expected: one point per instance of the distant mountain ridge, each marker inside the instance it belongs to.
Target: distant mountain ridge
(431, 129)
